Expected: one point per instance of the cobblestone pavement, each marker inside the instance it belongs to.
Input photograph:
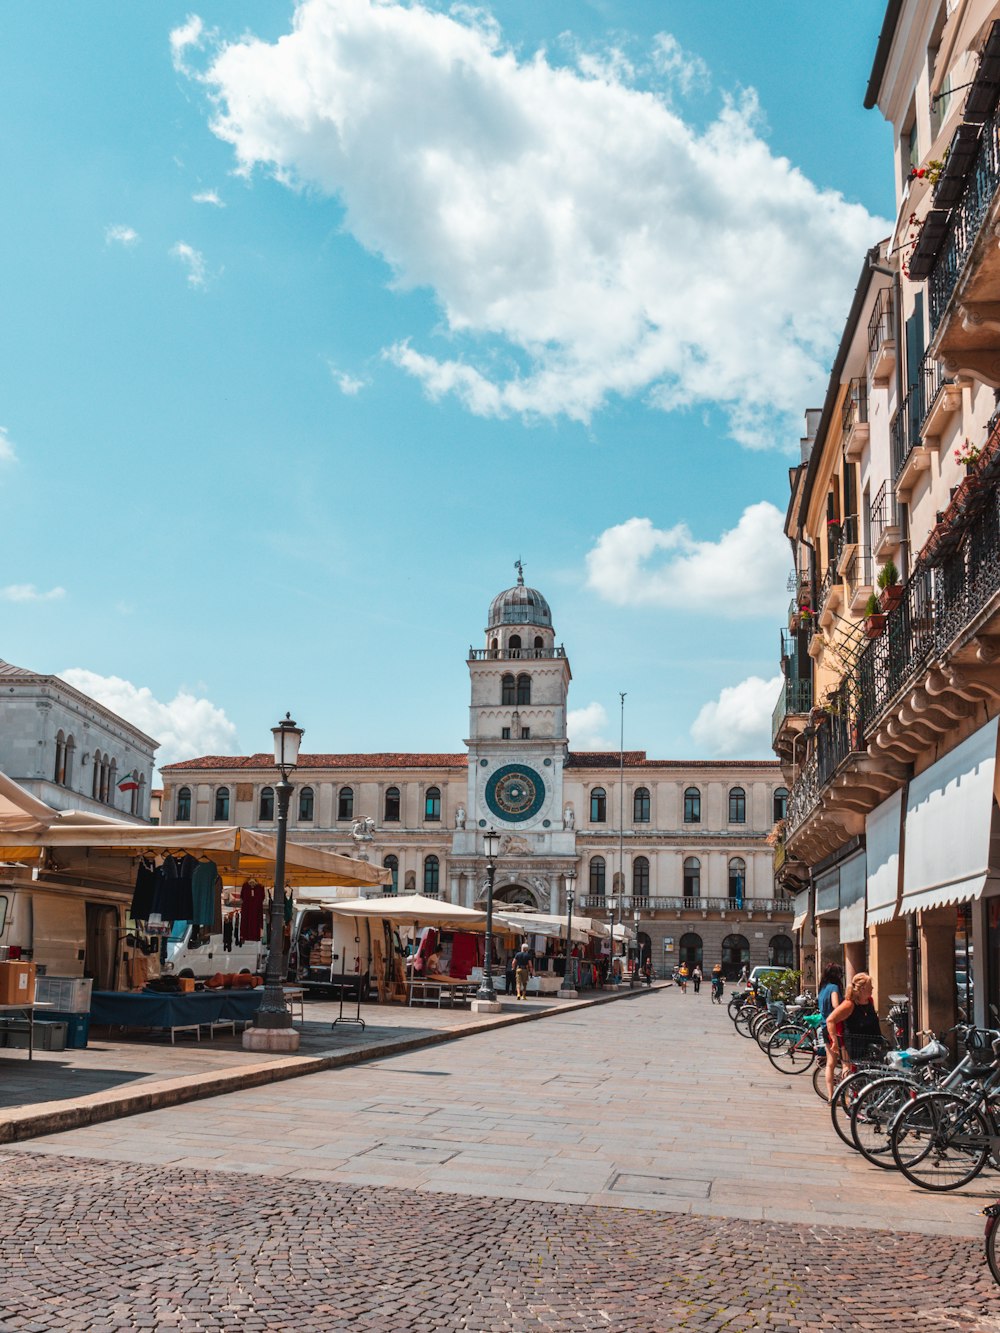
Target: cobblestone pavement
(101, 1246)
(642, 1167)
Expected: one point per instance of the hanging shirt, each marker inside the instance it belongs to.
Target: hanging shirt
(252, 910)
(145, 888)
(203, 895)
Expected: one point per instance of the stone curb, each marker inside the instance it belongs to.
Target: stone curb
(58, 1117)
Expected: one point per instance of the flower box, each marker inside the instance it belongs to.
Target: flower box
(875, 624)
(890, 598)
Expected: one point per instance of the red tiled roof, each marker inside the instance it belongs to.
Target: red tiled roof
(266, 761)
(575, 759)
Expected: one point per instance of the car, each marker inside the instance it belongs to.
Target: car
(757, 972)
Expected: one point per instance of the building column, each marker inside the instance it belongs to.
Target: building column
(453, 894)
(936, 969)
(854, 959)
(554, 906)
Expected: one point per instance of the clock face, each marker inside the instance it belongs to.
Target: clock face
(515, 793)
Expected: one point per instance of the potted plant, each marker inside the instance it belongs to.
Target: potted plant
(874, 618)
(968, 455)
(891, 590)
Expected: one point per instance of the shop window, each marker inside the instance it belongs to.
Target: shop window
(524, 689)
(781, 951)
(640, 805)
(222, 803)
(598, 806)
(737, 806)
(267, 803)
(391, 805)
(737, 880)
(597, 876)
(307, 802)
(692, 806)
(640, 877)
(692, 877)
(508, 690)
(432, 803)
(345, 803)
(432, 874)
(392, 863)
(780, 806)
(183, 805)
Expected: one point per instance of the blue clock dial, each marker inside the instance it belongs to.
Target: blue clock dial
(515, 793)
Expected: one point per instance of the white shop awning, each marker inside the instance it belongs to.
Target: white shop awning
(882, 837)
(852, 899)
(949, 813)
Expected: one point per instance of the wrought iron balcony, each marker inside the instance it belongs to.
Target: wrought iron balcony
(884, 517)
(882, 335)
(795, 699)
(967, 217)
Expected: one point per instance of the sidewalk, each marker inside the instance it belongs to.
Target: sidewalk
(127, 1075)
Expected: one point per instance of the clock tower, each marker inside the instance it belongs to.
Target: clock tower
(517, 748)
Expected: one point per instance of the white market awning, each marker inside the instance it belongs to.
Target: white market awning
(882, 838)
(411, 909)
(949, 814)
(537, 923)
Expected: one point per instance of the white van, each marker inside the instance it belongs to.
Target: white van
(70, 931)
(330, 953)
(193, 951)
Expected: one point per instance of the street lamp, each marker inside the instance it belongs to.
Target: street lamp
(569, 980)
(491, 845)
(273, 1016)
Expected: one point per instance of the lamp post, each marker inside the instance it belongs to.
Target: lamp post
(568, 989)
(486, 994)
(272, 1025)
(636, 916)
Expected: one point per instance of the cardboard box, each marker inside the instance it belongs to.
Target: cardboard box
(17, 983)
(186, 984)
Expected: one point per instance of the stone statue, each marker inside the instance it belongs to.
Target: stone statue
(569, 818)
(363, 830)
(460, 817)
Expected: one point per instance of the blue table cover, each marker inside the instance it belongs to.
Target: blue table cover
(147, 1009)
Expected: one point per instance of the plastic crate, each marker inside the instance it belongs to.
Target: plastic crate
(50, 1036)
(77, 1029)
(70, 995)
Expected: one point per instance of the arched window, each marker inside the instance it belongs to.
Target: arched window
(524, 689)
(432, 874)
(68, 766)
(539, 645)
(307, 802)
(391, 815)
(112, 783)
(781, 951)
(96, 783)
(508, 690)
(432, 803)
(392, 863)
(737, 806)
(222, 803)
(692, 806)
(345, 803)
(640, 877)
(267, 803)
(597, 875)
(735, 956)
(692, 877)
(59, 773)
(183, 805)
(780, 809)
(515, 645)
(494, 646)
(691, 950)
(640, 805)
(737, 880)
(598, 805)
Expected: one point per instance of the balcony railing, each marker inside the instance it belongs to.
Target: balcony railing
(858, 570)
(795, 698)
(826, 586)
(653, 904)
(888, 662)
(881, 326)
(513, 654)
(883, 513)
(966, 219)
(855, 406)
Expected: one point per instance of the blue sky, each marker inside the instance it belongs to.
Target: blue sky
(315, 322)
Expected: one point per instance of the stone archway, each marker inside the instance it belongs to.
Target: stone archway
(518, 895)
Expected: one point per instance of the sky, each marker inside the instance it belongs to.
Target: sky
(318, 316)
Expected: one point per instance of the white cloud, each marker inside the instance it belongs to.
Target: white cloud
(688, 71)
(208, 197)
(118, 234)
(185, 727)
(7, 451)
(349, 385)
(191, 33)
(27, 592)
(742, 574)
(582, 239)
(193, 260)
(585, 727)
(739, 721)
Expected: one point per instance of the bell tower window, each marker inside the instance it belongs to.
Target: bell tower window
(524, 689)
(508, 690)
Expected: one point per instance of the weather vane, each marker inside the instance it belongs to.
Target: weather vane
(520, 572)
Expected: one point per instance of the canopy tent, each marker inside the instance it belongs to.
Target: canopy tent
(538, 923)
(20, 812)
(238, 852)
(411, 909)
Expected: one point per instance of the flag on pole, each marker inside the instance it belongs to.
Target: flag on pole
(128, 783)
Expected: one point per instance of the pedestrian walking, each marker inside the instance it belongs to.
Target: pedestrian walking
(647, 971)
(745, 975)
(718, 982)
(522, 971)
(696, 978)
(682, 977)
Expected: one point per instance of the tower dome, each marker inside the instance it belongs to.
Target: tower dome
(519, 605)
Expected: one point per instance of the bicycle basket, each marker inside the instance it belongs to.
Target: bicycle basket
(865, 1046)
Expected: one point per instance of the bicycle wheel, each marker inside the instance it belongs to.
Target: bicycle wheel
(734, 1006)
(873, 1113)
(844, 1099)
(992, 1230)
(792, 1049)
(757, 1023)
(744, 1018)
(765, 1031)
(940, 1141)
